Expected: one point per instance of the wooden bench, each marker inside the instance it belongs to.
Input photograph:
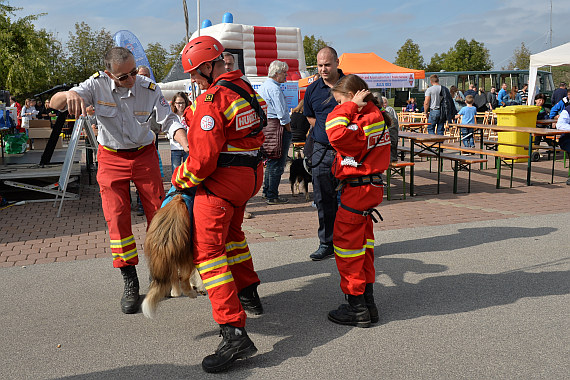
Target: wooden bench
(500, 159)
(494, 144)
(400, 169)
(459, 163)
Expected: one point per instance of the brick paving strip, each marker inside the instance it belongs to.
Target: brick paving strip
(31, 234)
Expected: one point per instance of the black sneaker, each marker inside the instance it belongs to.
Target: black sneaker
(235, 345)
(250, 300)
(568, 181)
(324, 252)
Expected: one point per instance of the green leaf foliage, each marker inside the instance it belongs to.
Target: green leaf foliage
(410, 56)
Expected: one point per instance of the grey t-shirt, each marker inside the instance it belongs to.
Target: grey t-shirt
(435, 98)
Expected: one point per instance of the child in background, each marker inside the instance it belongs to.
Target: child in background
(358, 131)
(467, 117)
(411, 106)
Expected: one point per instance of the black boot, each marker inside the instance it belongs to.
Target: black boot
(250, 299)
(369, 300)
(235, 345)
(130, 300)
(354, 314)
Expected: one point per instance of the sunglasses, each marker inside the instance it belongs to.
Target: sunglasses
(124, 77)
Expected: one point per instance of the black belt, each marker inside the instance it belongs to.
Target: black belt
(371, 179)
(375, 179)
(227, 160)
(368, 212)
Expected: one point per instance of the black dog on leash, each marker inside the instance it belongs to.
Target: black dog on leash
(298, 173)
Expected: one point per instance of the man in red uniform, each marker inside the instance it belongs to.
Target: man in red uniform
(224, 138)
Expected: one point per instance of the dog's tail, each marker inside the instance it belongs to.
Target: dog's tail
(167, 248)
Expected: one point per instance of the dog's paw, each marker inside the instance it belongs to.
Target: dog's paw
(147, 310)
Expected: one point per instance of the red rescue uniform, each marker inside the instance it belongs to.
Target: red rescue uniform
(363, 136)
(219, 123)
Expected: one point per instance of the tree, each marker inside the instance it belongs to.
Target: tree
(311, 46)
(174, 54)
(87, 49)
(410, 56)
(158, 59)
(521, 58)
(29, 58)
(437, 62)
(463, 56)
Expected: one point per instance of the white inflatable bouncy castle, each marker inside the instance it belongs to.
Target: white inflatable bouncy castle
(253, 47)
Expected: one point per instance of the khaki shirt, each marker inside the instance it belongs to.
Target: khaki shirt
(123, 114)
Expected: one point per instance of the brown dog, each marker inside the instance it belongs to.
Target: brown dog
(168, 250)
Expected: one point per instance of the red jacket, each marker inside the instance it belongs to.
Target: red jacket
(218, 121)
(354, 133)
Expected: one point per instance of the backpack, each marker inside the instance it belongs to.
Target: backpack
(447, 106)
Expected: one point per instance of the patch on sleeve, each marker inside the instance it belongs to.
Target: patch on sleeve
(207, 123)
(163, 102)
(209, 98)
(152, 86)
(352, 127)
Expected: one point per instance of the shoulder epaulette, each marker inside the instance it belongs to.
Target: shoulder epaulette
(96, 75)
(152, 86)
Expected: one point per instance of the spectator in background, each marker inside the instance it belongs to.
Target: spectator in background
(51, 113)
(559, 107)
(558, 94)
(179, 149)
(543, 114)
(523, 92)
(432, 103)
(503, 96)
(472, 90)
(393, 127)
(42, 111)
(28, 112)
(480, 101)
(492, 101)
(458, 97)
(318, 104)
(411, 105)
(14, 103)
(563, 124)
(229, 61)
(467, 115)
(514, 97)
(277, 132)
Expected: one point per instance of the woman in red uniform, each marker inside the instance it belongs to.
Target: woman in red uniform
(357, 130)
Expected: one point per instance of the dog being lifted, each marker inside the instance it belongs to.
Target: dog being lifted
(168, 249)
(298, 173)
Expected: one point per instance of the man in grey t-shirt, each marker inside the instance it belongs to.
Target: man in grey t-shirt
(432, 102)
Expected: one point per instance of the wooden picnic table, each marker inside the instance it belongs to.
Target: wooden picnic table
(530, 130)
(414, 126)
(426, 142)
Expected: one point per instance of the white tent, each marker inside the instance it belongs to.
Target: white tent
(557, 56)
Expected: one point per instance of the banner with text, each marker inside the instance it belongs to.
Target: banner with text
(388, 80)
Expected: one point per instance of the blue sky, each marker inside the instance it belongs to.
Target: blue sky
(372, 26)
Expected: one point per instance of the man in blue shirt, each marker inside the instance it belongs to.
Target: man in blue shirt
(558, 94)
(557, 108)
(278, 129)
(503, 96)
(319, 102)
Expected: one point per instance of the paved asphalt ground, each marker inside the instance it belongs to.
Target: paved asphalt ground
(469, 286)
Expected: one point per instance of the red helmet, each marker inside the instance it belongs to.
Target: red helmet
(199, 50)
